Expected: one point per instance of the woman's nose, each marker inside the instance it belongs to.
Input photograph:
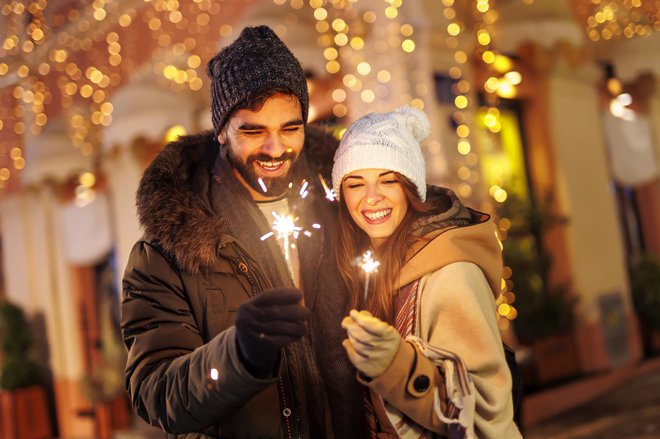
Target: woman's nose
(373, 196)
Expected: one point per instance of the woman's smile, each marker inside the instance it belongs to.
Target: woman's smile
(377, 216)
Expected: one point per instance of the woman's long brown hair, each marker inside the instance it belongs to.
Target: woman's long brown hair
(352, 242)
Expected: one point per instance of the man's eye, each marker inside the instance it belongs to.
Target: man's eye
(251, 133)
(291, 129)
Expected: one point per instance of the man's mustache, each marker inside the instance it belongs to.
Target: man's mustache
(268, 158)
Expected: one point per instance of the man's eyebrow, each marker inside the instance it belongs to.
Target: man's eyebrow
(256, 127)
(250, 127)
(295, 122)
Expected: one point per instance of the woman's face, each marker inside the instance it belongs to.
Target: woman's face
(376, 201)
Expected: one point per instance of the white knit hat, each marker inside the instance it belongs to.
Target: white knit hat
(385, 141)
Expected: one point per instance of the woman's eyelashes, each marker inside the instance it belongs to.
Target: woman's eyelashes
(384, 182)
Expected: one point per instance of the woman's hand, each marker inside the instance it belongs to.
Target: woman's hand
(371, 344)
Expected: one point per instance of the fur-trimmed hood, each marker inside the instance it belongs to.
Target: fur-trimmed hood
(173, 204)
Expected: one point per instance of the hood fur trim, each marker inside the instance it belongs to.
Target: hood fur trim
(170, 209)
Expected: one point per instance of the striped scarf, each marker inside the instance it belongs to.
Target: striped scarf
(459, 395)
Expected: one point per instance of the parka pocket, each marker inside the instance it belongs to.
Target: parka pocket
(220, 310)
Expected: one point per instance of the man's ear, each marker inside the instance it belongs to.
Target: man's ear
(222, 137)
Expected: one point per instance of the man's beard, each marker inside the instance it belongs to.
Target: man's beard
(275, 187)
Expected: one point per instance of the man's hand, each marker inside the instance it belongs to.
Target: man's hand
(371, 344)
(270, 320)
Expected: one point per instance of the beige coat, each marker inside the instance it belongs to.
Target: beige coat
(460, 274)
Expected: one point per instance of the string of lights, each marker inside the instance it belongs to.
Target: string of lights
(500, 81)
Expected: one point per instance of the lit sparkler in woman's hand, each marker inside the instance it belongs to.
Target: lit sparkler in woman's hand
(369, 265)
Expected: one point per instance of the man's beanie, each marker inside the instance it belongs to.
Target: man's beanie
(256, 61)
(385, 141)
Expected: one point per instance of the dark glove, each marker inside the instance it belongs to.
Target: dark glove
(270, 320)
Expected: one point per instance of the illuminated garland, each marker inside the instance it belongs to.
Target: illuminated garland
(51, 57)
(501, 81)
(608, 19)
(462, 88)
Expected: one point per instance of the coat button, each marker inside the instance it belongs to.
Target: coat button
(421, 383)
(243, 267)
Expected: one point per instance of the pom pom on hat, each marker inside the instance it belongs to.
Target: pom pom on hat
(385, 141)
(416, 120)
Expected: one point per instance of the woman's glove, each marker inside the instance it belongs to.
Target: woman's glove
(371, 344)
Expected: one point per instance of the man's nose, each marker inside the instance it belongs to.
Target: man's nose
(274, 146)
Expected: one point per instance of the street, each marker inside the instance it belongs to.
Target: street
(629, 411)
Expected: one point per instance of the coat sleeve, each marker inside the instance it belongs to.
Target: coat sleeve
(168, 371)
(457, 314)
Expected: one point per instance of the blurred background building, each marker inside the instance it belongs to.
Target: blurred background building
(546, 114)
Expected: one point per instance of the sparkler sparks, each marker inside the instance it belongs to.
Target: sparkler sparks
(262, 184)
(285, 227)
(330, 194)
(369, 265)
(303, 189)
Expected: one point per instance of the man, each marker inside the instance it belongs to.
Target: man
(219, 333)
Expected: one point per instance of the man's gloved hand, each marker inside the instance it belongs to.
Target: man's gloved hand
(371, 344)
(269, 321)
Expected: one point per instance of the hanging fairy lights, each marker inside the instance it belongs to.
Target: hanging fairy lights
(69, 59)
(336, 41)
(500, 82)
(468, 172)
(461, 115)
(354, 42)
(608, 19)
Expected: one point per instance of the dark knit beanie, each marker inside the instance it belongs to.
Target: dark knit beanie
(258, 60)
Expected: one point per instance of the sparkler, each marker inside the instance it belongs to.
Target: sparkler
(284, 225)
(369, 265)
(330, 193)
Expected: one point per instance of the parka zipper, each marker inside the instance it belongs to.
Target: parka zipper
(251, 274)
(286, 411)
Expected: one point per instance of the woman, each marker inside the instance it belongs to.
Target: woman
(427, 343)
